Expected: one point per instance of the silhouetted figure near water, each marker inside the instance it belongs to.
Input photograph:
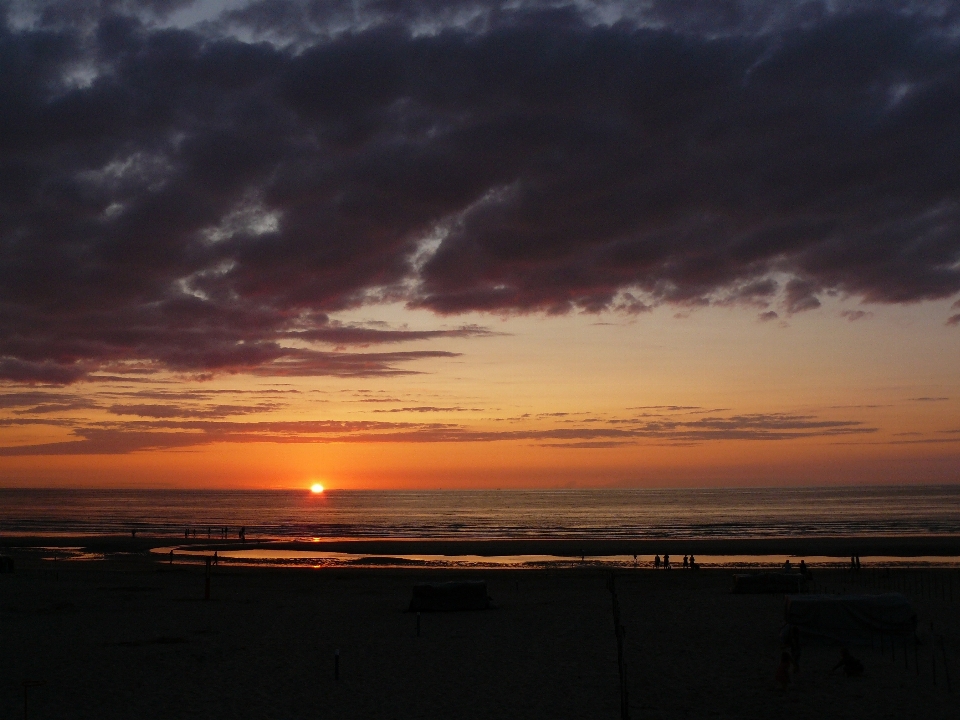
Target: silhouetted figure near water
(656, 562)
(803, 568)
(686, 562)
(666, 562)
(693, 563)
(858, 563)
(243, 534)
(787, 567)
(133, 533)
(186, 533)
(851, 666)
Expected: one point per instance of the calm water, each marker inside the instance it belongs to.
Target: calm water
(597, 514)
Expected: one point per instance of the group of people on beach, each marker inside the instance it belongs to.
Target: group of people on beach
(223, 531)
(689, 562)
(801, 568)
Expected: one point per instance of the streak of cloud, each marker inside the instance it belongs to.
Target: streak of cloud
(125, 437)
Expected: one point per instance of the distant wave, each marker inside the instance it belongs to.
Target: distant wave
(574, 514)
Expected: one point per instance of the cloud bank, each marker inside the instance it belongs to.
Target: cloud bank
(200, 197)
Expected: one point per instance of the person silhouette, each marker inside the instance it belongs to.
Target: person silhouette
(693, 563)
(656, 562)
(666, 562)
(803, 568)
(686, 562)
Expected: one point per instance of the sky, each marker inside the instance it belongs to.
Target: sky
(478, 244)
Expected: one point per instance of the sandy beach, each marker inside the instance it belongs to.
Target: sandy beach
(131, 636)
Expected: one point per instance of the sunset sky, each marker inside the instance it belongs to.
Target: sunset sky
(448, 244)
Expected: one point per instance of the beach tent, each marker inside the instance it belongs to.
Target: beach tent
(458, 595)
(769, 582)
(851, 619)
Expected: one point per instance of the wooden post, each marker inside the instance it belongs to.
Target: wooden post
(933, 655)
(946, 666)
(206, 592)
(619, 630)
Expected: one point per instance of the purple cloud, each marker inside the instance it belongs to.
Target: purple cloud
(191, 200)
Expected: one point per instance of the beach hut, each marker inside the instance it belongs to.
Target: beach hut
(851, 619)
(456, 595)
(769, 582)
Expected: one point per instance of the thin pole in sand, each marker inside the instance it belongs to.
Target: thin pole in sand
(619, 629)
(916, 655)
(206, 590)
(336, 664)
(946, 667)
(933, 655)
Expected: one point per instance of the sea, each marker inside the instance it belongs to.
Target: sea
(599, 514)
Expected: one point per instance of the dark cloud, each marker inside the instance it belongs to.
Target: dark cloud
(930, 399)
(427, 409)
(174, 411)
(337, 334)
(33, 398)
(41, 403)
(187, 200)
(854, 315)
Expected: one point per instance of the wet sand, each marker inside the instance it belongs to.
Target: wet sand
(844, 547)
(130, 636)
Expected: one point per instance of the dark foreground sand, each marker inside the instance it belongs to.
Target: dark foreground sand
(130, 637)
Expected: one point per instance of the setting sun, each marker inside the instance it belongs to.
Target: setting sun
(316, 488)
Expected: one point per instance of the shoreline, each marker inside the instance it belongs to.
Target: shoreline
(838, 547)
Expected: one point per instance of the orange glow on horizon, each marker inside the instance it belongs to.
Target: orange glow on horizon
(316, 488)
